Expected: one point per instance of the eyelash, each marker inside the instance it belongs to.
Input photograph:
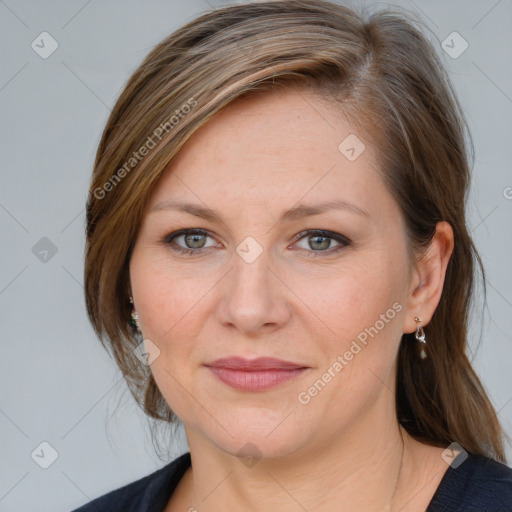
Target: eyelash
(343, 241)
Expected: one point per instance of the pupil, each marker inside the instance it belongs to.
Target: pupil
(325, 240)
(193, 239)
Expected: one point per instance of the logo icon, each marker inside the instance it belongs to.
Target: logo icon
(351, 147)
(44, 455)
(44, 45)
(44, 250)
(249, 249)
(454, 455)
(146, 352)
(454, 45)
(249, 455)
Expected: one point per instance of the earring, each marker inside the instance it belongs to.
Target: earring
(420, 336)
(134, 317)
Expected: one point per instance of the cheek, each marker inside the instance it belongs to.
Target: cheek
(167, 299)
(358, 317)
(344, 302)
(364, 327)
(168, 304)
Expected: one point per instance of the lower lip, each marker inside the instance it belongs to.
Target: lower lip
(255, 380)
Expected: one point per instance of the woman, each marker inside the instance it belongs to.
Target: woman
(277, 255)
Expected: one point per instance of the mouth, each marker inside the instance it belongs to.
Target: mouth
(256, 374)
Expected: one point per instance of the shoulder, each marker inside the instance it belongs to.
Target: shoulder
(150, 493)
(478, 483)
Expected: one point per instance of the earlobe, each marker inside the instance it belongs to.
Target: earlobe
(429, 275)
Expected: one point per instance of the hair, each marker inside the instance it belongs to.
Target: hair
(384, 75)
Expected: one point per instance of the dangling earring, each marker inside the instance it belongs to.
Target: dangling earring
(420, 336)
(134, 317)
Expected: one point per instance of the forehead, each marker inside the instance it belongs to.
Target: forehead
(276, 146)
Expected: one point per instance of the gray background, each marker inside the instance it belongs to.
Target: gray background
(57, 383)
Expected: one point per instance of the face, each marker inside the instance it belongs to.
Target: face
(257, 267)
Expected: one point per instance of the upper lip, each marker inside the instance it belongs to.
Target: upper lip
(258, 364)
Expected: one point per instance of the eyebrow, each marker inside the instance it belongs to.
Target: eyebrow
(295, 213)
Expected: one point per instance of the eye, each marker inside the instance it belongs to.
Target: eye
(320, 241)
(194, 241)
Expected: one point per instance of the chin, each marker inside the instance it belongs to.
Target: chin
(259, 433)
(259, 447)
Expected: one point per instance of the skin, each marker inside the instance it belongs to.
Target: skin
(258, 157)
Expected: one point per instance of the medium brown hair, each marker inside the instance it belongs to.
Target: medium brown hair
(381, 72)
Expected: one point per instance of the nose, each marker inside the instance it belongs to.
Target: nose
(254, 297)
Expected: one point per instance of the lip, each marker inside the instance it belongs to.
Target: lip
(257, 374)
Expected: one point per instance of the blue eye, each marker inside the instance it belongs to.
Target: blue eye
(319, 241)
(193, 237)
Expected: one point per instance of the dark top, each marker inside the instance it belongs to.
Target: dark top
(479, 484)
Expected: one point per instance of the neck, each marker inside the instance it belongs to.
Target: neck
(363, 469)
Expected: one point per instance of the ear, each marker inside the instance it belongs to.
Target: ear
(427, 278)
